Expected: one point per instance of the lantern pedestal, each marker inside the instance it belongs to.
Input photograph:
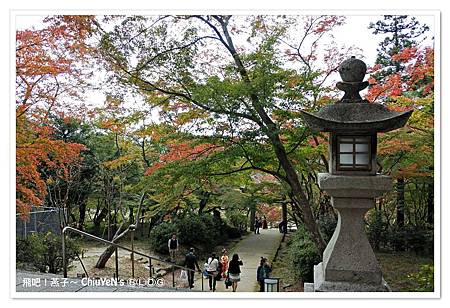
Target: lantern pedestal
(349, 264)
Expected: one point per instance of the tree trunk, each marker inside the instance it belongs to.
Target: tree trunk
(104, 257)
(400, 206)
(294, 217)
(272, 131)
(82, 210)
(430, 204)
(284, 214)
(131, 218)
(99, 218)
(400, 211)
(298, 196)
(252, 216)
(203, 201)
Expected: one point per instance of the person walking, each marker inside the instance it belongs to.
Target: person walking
(264, 223)
(224, 261)
(190, 261)
(173, 247)
(212, 269)
(282, 226)
(262, 272)
(234, 271)
(257, 225)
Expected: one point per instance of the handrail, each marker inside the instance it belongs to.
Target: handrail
(99, 239)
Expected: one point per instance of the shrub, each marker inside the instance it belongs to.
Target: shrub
(327, 225)
(424, 279)
(191, 229)
(411, 238)
(377, 230)
(302, 255)
(44, 251)
(232, 232)
(201, 230)
(237, 220)
(159, 236)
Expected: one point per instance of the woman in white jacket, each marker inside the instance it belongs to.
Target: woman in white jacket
(212, 270)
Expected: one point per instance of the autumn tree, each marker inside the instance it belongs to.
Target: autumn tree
(48, 74)
(403, 78)
(72, 191)
(224, 79)
(401, 32)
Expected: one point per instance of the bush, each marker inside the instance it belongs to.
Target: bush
(237, 220)
(232, 232)
(410, 238)
(44, 251)
(159, 236)
(192, 230)
(405, 238)
(424, 279)
(327, 225)
(377, 230)
(302, 255)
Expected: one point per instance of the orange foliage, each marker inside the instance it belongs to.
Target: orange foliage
(46, 68)
(42, 152)
(390, 87)
(182, 151)
(419, 74)
(46, 59)
(271, 212)
(389, 147)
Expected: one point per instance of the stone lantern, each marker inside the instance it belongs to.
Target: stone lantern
(349, 263)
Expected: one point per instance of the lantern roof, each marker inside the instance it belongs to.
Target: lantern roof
(352, 113)
(368, 117)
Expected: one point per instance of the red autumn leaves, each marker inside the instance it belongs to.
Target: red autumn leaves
(182, 151)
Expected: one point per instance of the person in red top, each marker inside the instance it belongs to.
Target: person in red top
(224, 260)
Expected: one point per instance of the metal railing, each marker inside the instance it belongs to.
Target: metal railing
(117, 246)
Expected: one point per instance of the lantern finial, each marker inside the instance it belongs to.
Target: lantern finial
(352, 72)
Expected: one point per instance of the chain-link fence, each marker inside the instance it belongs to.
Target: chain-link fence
(41, 219)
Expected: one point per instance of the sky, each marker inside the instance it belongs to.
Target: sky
(354, 32)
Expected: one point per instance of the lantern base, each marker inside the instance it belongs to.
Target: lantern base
(321, 285)
(349, 264)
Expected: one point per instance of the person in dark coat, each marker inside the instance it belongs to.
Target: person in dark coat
(264, 223)
(257, 225)
(282, 226)
(234, 271)
(190, 262)
(262, 273)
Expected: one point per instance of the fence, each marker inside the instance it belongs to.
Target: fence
(41, 219)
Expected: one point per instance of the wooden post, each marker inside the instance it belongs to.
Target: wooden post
(117, 263)
(132, 252)
(150, 266)
(173, 276)
(63, 240)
